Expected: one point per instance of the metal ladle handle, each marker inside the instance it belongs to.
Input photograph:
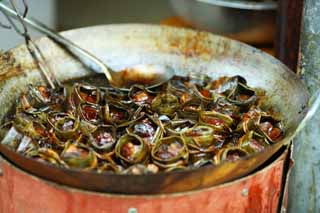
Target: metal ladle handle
(91, 61)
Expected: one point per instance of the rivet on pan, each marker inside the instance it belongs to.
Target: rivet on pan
(132, 210)
(245, 192)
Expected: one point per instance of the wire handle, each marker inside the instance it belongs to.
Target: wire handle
(87, 58)
(31, 46)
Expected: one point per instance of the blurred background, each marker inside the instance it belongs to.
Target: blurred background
(44, 10)
(255, 27)
(62, 15)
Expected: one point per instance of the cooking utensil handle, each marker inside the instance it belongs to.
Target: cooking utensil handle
(93, 62)
(314, 105)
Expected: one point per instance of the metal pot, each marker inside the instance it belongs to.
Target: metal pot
(247, 21)
(259, 192)
(187, 52)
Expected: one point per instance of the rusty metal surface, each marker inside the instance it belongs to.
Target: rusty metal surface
(186, 51)
(259, 192)
(287, 170)
(305, 178)
(142, 184)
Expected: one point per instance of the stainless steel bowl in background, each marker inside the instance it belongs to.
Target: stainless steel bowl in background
(247, 21)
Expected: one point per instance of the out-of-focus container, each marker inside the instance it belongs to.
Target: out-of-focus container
(247, 21)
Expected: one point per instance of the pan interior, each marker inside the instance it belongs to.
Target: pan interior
(186, 51)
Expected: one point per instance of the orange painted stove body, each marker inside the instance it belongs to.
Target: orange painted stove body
(259, 192)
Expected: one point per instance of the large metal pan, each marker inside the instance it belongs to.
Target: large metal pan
(186, 51)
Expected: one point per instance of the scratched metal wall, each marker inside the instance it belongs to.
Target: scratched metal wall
(305, 179)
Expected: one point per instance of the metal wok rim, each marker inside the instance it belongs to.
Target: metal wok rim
(188, 171)
(3, 158)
